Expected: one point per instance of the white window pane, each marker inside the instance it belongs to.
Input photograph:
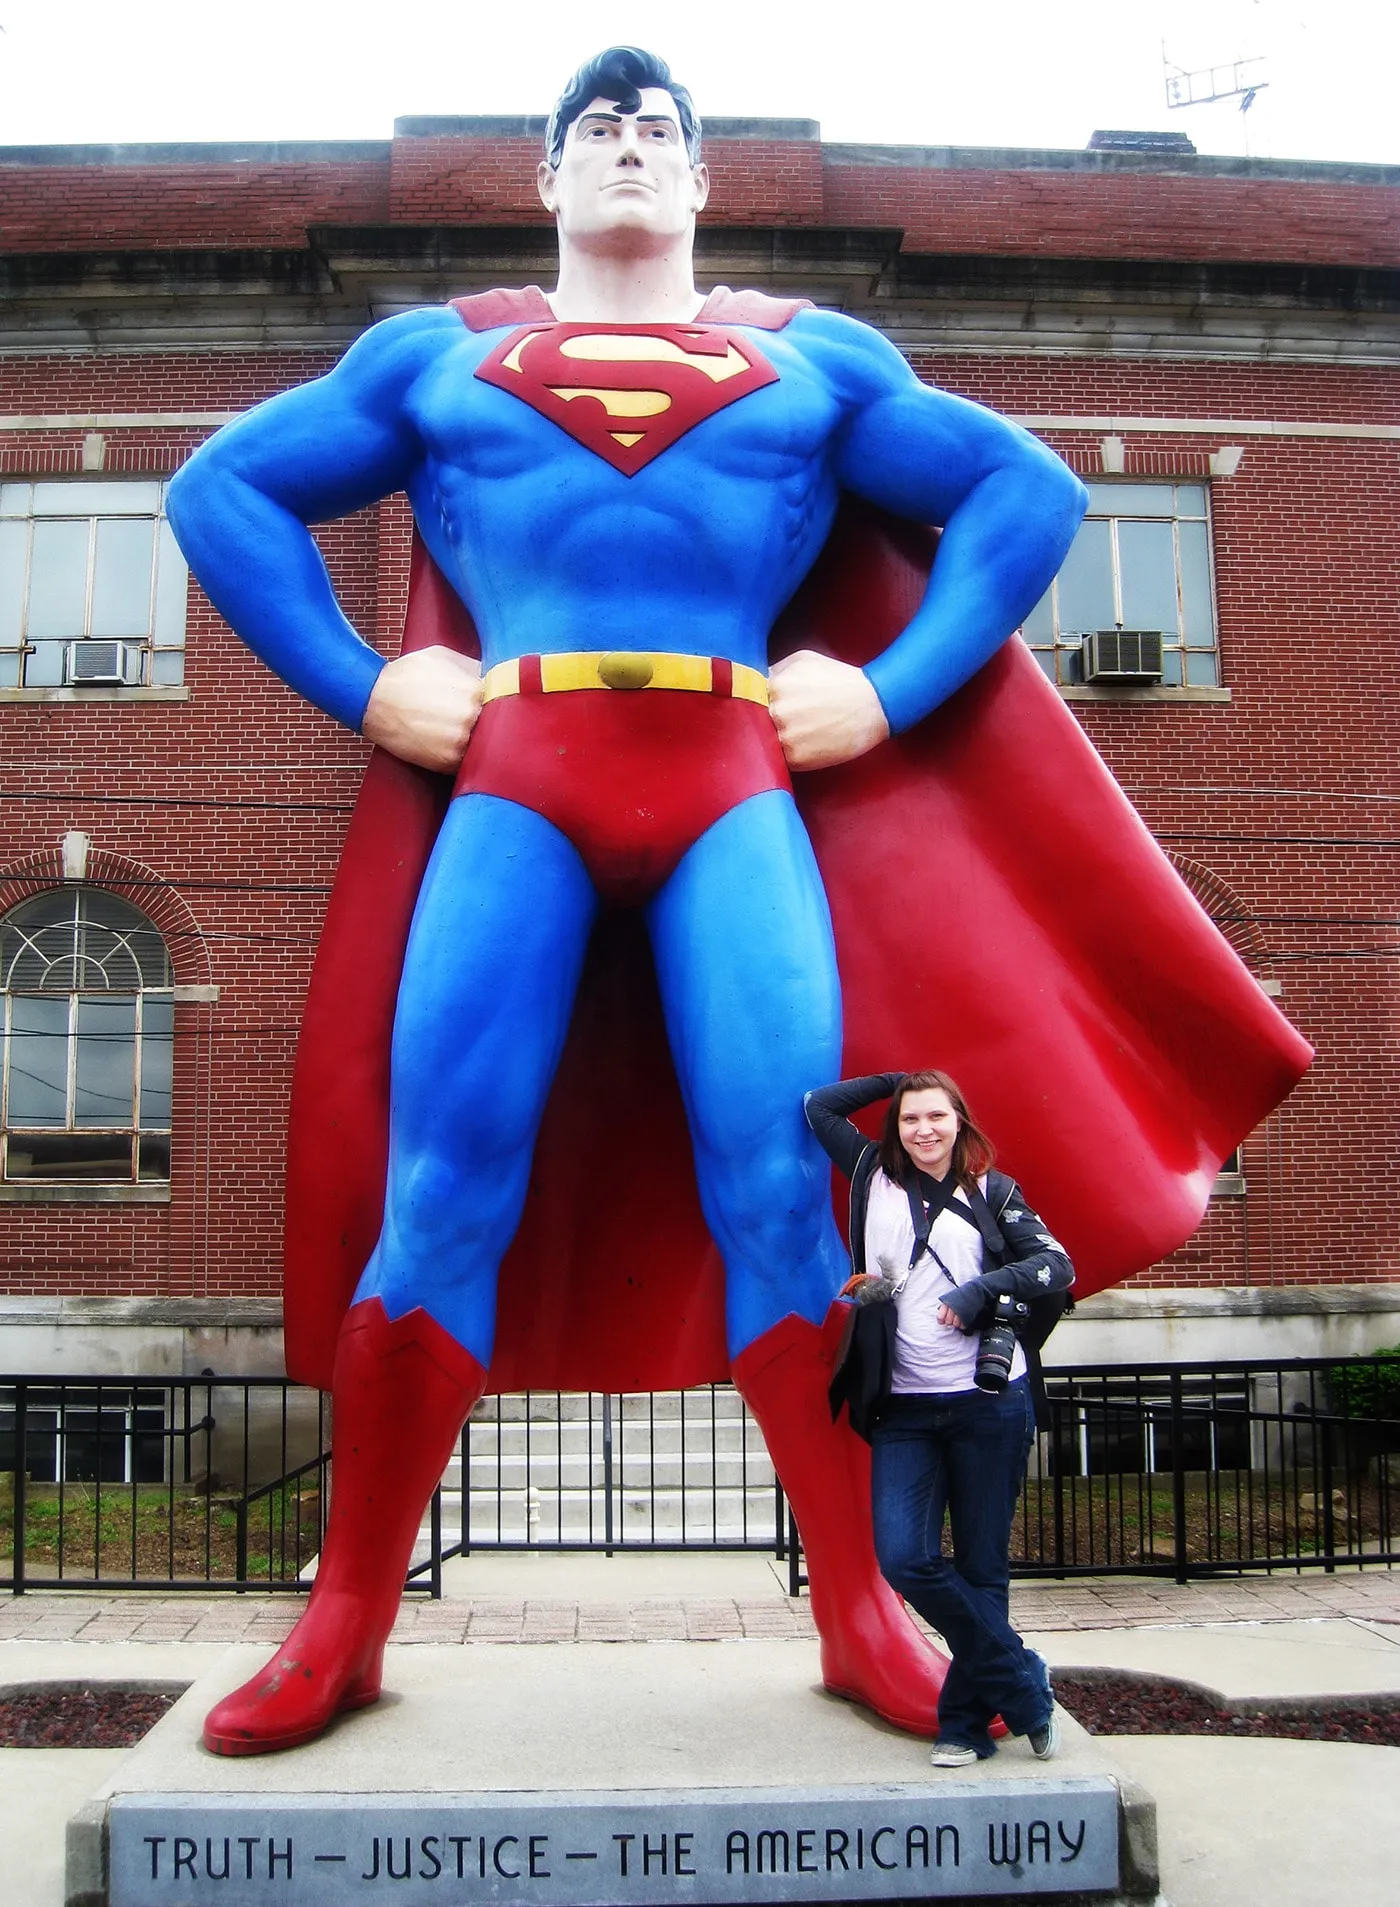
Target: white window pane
(10, 660)
(157, 1058)
(106, 1063)
(121, 577)
(43, 666)
(1085, 583)
(1147, 560)
(1197, 621)
(14, 499)
(172, 590)
(1039, 626)
(38, 1061)
(1171, 667)
(58, 580)
(1201, 669)
(167, 667)
(1132, 499)
(1190, 499)
(96, 499)
(14, 546)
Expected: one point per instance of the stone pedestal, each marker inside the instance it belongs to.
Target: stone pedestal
(594, 1774)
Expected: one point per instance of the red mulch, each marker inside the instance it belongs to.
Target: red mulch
(1108, 1703)
(70, 1715)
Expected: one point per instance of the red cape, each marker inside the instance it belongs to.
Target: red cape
(1000, 911)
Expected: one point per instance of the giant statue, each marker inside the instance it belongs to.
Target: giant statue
(587, 950)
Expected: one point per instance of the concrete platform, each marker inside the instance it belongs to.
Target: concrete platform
(704, 1732)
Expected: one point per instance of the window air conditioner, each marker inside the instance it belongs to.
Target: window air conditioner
(1123, 655)
(102, 664)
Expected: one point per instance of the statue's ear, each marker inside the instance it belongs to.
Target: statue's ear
(701, 176)
(544, 183)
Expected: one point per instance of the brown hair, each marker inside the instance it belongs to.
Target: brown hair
(973, 1152)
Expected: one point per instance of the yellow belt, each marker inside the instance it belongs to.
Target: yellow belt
(625, 669)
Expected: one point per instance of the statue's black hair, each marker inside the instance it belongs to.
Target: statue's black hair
(619, 75)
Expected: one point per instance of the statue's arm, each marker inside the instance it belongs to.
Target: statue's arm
(1007, 506)
(241, 505)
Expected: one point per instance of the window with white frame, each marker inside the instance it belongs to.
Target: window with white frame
(1140, 563)
(89, 1025)
(92, 585)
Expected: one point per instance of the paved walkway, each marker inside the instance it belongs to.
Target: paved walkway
(596, 1599)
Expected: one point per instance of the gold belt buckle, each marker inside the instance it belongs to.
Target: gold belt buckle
(621, 669)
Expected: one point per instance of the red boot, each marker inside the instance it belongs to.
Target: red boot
(402, 1391)
(871, 1650)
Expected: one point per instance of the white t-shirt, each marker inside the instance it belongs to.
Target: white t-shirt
(928, 1356)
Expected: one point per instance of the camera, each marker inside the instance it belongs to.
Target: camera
(997, 1345)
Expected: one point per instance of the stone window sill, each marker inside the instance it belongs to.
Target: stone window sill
(163, 693)
(18, 1194)
(1156, 692)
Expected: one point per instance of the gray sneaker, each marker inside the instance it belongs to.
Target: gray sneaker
(952, 1754)
(1045, 1741)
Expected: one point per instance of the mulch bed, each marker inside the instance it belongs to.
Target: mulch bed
(69, 1715)
(73, 1715)
(1108, 1703)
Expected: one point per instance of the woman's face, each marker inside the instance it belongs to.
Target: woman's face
(928, 1128)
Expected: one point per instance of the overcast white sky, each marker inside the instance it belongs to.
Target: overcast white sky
(990, 72)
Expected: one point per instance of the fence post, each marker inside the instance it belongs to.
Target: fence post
(240, 1542)
(1329, 1521)
(779, 1522)
(21, 1483)
(794, 1550)
(435, 1528)
(607, 1474)
(1178, 1423)
(1057, 1471)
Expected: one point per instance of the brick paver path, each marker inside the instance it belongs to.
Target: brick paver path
(1095, 1603)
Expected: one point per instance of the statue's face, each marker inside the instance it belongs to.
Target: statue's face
(624, 180)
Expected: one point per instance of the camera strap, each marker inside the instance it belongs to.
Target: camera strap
(928, 1199)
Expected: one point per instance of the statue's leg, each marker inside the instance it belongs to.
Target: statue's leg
(492, 966)
(747, 968)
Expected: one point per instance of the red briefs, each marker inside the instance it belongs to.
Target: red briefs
(632, 778)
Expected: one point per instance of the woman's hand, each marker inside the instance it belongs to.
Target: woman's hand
(951, 1318)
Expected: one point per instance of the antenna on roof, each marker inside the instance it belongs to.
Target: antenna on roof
(1241, 80)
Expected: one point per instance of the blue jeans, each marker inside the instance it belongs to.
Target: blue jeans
(966, 1453)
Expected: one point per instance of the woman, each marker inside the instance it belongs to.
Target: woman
(948, 1236)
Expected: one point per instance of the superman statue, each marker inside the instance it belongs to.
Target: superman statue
(619, 490)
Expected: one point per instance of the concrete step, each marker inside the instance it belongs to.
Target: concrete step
(549, 1470)
(630, 1440)
(551, 1406)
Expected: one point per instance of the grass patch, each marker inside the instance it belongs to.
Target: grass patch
(153, 1533)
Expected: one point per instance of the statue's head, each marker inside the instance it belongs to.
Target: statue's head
(623, 152)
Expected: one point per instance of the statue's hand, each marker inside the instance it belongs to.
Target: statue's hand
(825, 711)
(424, 707)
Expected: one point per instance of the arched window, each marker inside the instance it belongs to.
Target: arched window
(89, 1031)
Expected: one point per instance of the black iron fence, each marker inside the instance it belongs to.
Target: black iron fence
(217, 1483)
(176, 1483)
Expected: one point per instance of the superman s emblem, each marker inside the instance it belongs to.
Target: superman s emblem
(627, 392)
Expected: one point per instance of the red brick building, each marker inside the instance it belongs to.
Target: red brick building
(1213, 344)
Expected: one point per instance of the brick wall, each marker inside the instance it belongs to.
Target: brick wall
(238, 798)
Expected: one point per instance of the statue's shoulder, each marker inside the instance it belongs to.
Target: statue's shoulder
(488, 310)
(755, 308)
